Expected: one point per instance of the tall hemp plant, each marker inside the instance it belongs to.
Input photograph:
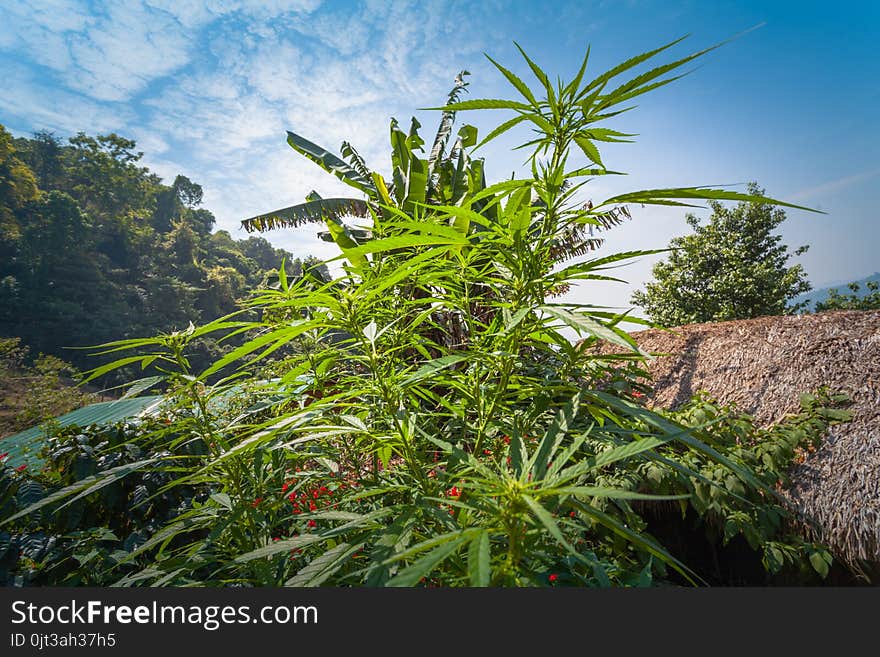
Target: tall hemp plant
(436, 426)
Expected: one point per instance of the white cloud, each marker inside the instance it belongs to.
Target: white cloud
(125, 51)
(35, 105)
(117, 51)
(824, 189)
(50, 15)
(208, 89)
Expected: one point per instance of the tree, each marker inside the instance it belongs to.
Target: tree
(734, 267)
(94, 247)
(44, 156)
(870, 300)
(189, 193)
(18, 188)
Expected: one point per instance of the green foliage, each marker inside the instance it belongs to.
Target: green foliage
(421, 418)
(734, 267)
(856, 300)
(35, 390)
(445, 177)
(728, 511)
(145, 257)
(110, 480)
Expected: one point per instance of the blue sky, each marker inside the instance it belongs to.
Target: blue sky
(208, 89)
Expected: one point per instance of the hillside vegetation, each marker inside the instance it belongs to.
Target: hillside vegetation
(95, 247)
(35, 389)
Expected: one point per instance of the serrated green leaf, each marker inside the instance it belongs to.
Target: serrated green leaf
(321, 568)
(479, 570)
(589, 149)
(412, 575)
(484, 103)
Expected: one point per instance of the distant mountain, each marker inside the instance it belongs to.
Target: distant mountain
(812, 298)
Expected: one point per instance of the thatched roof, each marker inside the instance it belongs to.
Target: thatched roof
(763, 365)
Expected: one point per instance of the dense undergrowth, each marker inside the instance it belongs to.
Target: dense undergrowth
(118, 534)
(35, 389)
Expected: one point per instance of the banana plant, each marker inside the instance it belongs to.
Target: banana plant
(446, 176)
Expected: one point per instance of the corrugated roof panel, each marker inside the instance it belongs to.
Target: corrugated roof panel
(24, 446)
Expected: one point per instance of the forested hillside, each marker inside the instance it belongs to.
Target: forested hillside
(94, 247)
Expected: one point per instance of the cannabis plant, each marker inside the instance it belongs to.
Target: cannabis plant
(435, 425)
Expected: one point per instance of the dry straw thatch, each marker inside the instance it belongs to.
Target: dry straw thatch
(762, 366)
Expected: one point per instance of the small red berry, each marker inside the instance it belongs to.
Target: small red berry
(553, 577)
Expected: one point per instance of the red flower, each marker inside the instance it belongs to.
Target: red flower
(312, 523)
(553, 577)
(487, 452)
(312, 506)
(21, 468)
(284, 487)
(4, 455)
(507, 439)
(637, 394)
(453, 492)
(256, 502)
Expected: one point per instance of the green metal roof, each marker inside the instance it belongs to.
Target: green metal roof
(23, 447)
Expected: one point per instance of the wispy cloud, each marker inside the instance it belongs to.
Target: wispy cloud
(34, 102)
(208, 89)
(824, 189)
